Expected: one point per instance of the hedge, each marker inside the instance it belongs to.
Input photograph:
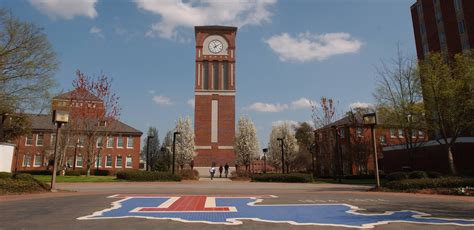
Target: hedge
(290, 178)
(5, 175)
(20, 183)
(137, 175)
(397, 176)
(37, 172)
(425, 183)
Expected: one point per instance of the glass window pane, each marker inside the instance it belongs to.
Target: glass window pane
(129, 162)
(205, 80)
(225, 75)
(39, 139)
(215, 75)
(118, 162)
(120, 142)
(109, 161)
(130, 142)
(110, 142)
(38, 161)
(29, 139)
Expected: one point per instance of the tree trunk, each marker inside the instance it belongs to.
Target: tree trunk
(88, 173)
(452, 167)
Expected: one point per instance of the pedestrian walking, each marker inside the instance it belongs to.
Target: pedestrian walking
(226, 169)
(220, 171)
(212, 171)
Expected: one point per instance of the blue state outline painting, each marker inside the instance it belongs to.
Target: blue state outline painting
(233, 210)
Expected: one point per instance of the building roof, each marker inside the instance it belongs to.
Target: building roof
(43, 122)
(349, 121)
(215, 27)
(85, 95)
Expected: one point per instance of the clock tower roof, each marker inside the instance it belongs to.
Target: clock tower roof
(215, 27)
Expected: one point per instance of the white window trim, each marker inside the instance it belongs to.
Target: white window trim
(116, 161)
(112, 161)
(34, 160)
(37, 138)
(107, 144)
(32, 140)
(131, 162)
(119, 147)
(392, 134)
(128, 147)
(82, 161)
(28, 163)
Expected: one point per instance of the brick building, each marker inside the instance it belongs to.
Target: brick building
(443, 26)
(116, 147)
(354, 152)
(215, 85)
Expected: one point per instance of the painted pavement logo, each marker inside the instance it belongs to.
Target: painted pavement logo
(232, 210)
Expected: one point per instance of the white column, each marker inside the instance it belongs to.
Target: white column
(214, 120)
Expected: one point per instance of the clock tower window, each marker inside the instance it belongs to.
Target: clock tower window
(225, 75)
(205, 81)
(215, 75)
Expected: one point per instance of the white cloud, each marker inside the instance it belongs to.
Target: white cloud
(363, 105)
(187, 14)
(308, 47)
(151, 91)
(302, 103)
(66, 9)
(162, 100)
(96, 31)
(265, 107)
(191, 102)
(290, 122)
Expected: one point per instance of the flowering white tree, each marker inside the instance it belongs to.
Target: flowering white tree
(184, 142)
(290, 145)
(246, 142)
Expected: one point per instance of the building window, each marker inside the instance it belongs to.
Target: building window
(342, 133)
(215, 75)
(119, 142)
(383, 141)
(118, 162)
(205, 80)
(400, 132)
(26, 160)
(128, 162)
(461, 26)
(108, 161)
(39, 139)
(225, 75)
(130, 142)
(99, 142)
(359, 132)
(110, 142)
(37, 160)
(99, 161)
(29, 140)
(393, 133)
(81, 141)
(53, 139)
(79, 161)
(457, 5)
(69, 163)
(421, 133)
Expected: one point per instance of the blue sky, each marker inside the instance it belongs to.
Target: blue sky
(288, 52)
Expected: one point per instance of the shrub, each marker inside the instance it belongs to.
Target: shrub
(137, 175)
(100, 172)
(189, 174)
(10, 185)
(23, 176)
(417, 175)
(73, 173)
(37, 172)
(5, 175)
(425, 183)
(397, 176)
(432, 174)
(291, 178)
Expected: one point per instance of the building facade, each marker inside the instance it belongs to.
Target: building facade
(215, 87)
(443, 26)
(113, 146)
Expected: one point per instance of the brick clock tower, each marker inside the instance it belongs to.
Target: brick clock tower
(214, 113)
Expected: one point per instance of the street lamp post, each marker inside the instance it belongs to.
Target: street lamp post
(282, 155)
(371, 120)
(60, 118)
(265, 150)
(147, 152)
(98, 161)
(75, 155)
(174, 149)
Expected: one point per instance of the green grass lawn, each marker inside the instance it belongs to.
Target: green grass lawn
(349, 181)
(59, 179)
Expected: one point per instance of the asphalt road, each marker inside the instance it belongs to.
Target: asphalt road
(61, 210)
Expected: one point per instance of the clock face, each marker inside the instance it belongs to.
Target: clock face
(215, 46)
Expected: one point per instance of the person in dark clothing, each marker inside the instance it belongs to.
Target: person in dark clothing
(220, 171)
(226, 170)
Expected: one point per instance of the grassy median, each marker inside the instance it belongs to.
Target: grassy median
(77, 179)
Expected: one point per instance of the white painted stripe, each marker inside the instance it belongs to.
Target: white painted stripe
(169, 202)
(210, 202)
(220, 93)
(225, 147)
(202, 147)
(214, 120)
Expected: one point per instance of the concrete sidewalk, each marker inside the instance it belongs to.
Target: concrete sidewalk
(215, 179)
